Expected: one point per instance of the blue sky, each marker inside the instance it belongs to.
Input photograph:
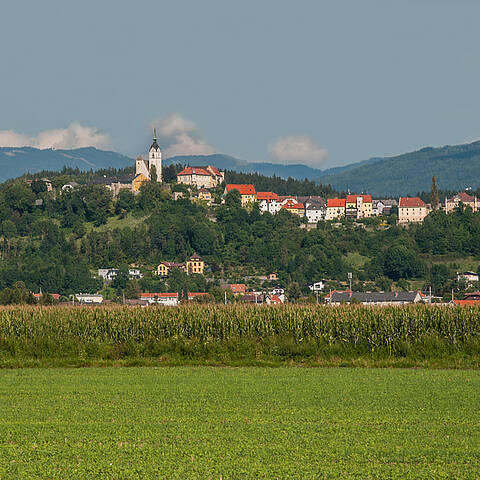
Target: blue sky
(319, 82)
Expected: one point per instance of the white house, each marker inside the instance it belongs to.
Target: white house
(277, 291)
(468, 277)
(268, 202)
(315, 212)
(167, 299)
(89, 299)
(317, 286)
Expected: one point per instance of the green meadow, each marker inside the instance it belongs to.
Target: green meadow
(239, 423)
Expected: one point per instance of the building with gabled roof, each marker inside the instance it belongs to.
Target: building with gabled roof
(461, 198)
(248, 194)
(167, 299)
(295, 208)
(201, 177)
(145, 167)
(373, 298)
(411, 210)
(362, 204)
(268, 202)
(335, 208)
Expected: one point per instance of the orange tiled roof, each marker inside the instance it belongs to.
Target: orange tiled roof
(158, 295)
(336, 202)
(195, 171)
(466, 302)
(353, 198)
(244, 189)
(269, 196)
(411, 202)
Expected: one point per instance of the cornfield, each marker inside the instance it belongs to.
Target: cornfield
(366, 329)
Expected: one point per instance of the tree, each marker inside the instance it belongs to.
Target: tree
(434, 194)
(133, 290)
(293, 292)
(401, 262)
(153, 174)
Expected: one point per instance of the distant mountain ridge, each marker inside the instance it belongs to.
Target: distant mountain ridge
(456, 167)
(16, 161)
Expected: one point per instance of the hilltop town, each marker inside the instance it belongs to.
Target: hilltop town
(188, 233)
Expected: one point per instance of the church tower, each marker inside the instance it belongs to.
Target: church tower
(155, 158)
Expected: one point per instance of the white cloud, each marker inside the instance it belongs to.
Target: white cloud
(298, 149)
(178, 136)
(74, 136)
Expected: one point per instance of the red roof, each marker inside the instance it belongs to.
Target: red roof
(275, 299)
(195, 171)
(285, 197)
(298, 206)
(466, 302)
(353, 198)
(463, 197)
(336, 202)
(269, 196)
(244, 189)
(411, 202)
(55, 296)
(158, 295)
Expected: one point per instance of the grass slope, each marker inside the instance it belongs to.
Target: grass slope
(212, 423)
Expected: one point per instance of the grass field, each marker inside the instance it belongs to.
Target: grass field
(239, 423)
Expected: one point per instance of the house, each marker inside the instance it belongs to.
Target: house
(55, 296)
(273, 300)
(312, 199)
(315, 212)
(317, 286)
(201, 177)
(295, 208)
(89, 299)
(377, 208)
(69, 186)
(277, 291)
(283, 199)
(205, 195)
(166, 299)
(471, 299)
(194, 264)
(459, 198)
(248, 194)
(411, 210)
(360, 204)
(373, 298)
(253, 297)
(268, 202)
(109, 274)
(199, 296)
(177, 196)
(237, 288)
(335, 208)
(272, 276)
(468, 277)
(163, 270)
(129, 181)
(384, 206)
(137, 302)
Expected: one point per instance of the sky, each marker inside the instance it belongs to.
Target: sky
(323, 83)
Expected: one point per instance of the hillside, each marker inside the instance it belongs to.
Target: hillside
(15, 161)
(456, 167)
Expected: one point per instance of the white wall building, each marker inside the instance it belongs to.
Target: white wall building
(166, 299)
(154, 160)
(89, 299)
(315, 212)
(268, 202)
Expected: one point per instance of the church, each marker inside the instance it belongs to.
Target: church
(152, 166)
(145, 170)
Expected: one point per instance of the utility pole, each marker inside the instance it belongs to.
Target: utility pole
(225, 297)
(350, 279)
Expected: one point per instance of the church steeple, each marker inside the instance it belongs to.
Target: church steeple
(154, 144)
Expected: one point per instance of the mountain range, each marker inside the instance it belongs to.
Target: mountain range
(456, 167)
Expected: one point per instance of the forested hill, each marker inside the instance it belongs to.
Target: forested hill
(456, 167)
(16, 161)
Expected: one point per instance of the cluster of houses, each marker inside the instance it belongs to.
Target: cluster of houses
(315, 208)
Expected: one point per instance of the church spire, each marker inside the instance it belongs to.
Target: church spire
(154, 134)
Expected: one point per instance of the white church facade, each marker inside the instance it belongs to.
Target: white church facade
(153, 164)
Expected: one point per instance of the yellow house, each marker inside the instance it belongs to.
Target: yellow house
(138, 181)
(362, 203)
(247, 192)
(205, 195)
(193, 265)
